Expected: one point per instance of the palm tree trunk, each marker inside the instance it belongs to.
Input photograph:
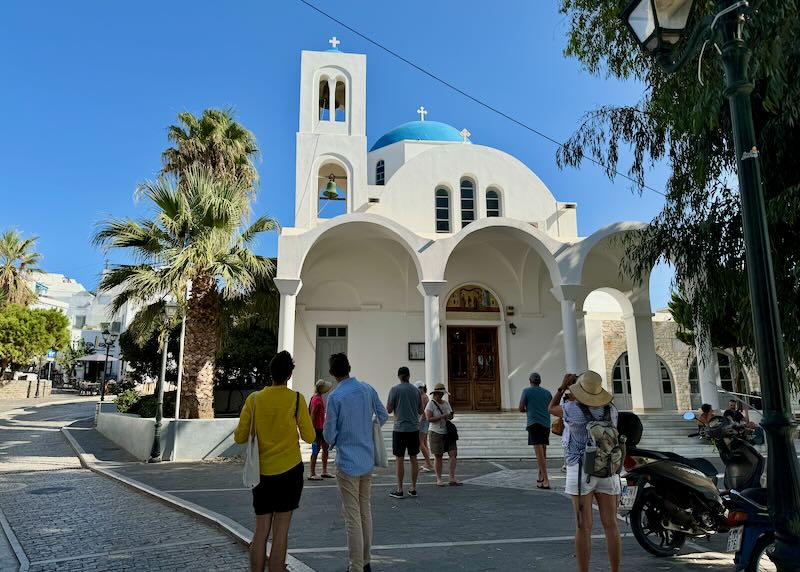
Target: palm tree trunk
(200, 350)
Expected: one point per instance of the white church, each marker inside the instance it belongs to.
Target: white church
(429, 250)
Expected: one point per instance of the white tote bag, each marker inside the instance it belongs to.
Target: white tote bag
(251, 475)
(381, 459)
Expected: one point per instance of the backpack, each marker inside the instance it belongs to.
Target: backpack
(605, 447)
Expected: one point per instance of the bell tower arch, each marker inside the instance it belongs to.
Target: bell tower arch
(332, 124)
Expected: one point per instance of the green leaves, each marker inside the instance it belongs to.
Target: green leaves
(26, 334)
(18, 261)
(687, 124)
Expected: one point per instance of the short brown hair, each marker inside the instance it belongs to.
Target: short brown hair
(339, 365)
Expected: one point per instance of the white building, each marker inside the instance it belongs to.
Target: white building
(443, 255)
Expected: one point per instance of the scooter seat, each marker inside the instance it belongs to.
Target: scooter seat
(703, 465)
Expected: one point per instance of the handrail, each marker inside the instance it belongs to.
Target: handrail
(734, 395)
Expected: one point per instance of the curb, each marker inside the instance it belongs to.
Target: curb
(16, 547)
(225, 524)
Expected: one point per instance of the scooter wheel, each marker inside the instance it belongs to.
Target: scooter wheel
(645, 518)
(760, 560)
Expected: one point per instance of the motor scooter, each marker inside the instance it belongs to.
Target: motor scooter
(669, 498)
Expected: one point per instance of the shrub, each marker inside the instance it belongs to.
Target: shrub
(127, 400)
(146, 406)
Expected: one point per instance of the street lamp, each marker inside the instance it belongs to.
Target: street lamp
(658, 26)
(109, 340)
(170, 309)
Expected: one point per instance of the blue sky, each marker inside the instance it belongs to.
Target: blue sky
(89, 89)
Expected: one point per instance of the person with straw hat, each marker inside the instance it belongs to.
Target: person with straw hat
(317, 410)
(439, 412)
(588, 396)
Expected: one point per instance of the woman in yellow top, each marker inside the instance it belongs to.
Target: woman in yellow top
(279, 414)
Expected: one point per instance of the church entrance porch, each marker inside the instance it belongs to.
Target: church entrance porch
(472, 368)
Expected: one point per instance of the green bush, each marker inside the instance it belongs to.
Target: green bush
(127, 400)
(146, 406)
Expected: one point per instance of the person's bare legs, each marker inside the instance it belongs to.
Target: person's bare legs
(400, 472)
(258, 546)
(414, 471)
(452, 457)
(325, 458)
(607, 505)
(583, 530)
(438, 468)
(313, 464)
(541, 462)
(425, 450)
(280, 541)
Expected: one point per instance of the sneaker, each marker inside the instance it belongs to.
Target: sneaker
(396, 494)
(425, 470)
(412, 493)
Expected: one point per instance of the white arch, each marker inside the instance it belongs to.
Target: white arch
(540, 242)
(572, 259)
(294, 249)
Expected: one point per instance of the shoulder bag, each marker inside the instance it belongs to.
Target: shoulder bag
(452, 430)
(379, 447)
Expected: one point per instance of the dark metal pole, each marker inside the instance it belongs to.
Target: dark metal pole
(782, 467)
(155, 451)
(105, 369)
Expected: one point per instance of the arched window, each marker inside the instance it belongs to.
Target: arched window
(493, 203)
(332, 188)
(467, 202)
(324, 99)
(442, 210)
(379, 172)
(621, 383)
(341, 101)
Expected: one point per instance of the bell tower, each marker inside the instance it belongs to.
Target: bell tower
(331, 171)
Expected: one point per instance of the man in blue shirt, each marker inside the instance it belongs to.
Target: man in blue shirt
(535, 401)
(348, 430)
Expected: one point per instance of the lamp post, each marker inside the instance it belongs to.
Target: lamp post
(658, 26)
(156, 450)
(109, 340)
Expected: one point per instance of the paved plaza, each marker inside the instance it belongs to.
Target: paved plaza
(68, 518)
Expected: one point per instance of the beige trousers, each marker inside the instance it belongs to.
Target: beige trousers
(357, 511)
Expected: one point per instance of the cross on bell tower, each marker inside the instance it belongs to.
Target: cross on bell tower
(465, 133)
(334, 43)
(422, 113)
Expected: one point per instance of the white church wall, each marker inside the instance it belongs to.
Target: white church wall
(409, 194)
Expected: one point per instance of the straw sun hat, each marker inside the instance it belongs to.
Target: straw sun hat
(439, 388)
(588, 389)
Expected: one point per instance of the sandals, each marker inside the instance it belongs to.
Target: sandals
(456, 484)
(327, 476)
(541, 486)
(314, 478)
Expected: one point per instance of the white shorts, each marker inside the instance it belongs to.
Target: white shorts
(606, 486)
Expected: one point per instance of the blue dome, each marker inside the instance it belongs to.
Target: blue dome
(419, 131)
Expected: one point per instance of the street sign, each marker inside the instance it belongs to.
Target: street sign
(51, 355)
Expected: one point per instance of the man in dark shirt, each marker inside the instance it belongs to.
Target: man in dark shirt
(735, 415)
(405, 402)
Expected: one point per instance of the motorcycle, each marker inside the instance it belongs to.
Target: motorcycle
(752, 536)
(669, 498)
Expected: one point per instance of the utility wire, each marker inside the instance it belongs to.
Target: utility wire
(470, 97)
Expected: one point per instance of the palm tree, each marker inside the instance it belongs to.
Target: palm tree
(17, 262)
(215, 140)
(199, 236)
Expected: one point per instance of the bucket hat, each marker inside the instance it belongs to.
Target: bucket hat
(588, 389)
(439, 388)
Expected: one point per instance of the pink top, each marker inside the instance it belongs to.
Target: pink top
(317, 407)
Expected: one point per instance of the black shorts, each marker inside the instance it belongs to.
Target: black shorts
(319, 440)
(538, 434)
(405, 440)
(279, 493)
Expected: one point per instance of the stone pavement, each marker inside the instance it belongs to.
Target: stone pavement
(68, 518)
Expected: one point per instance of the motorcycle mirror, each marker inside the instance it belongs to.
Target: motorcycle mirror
(689, 416)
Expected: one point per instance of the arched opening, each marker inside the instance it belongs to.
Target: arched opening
(467, 202)
(380, 172)
(621, 384)
(442, 210)
(728, 378)
(502, 307)
(332, 190)
(341, 100)
(324, 99)
(493, 203)
(360, 296)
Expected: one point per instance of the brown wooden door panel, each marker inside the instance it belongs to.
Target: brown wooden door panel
(473, 372)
